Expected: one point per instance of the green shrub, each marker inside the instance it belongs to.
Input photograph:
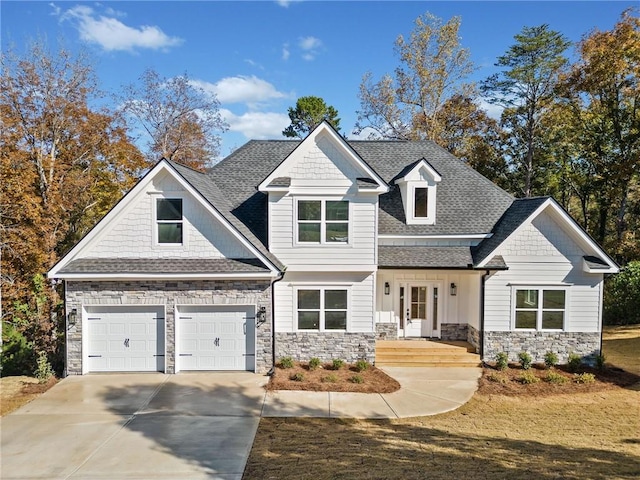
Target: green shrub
(525, 360)
(314, 363)
(622, 296)
(584, 377)
(297, 377)
(600, 361)
(337, 363)
(43, 371)
(331, 378)
(362, 365)
(528, 377)
(502, 361)
(497, 378)
(573, 362)
(550, 359)
(555, 377)
(286, 362)
(356, 379)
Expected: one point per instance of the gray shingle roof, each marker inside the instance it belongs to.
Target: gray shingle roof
(467, 202)
(424, 257)
(164, 265)
(596, 263)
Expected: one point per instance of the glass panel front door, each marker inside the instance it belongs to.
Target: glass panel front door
(421, 312)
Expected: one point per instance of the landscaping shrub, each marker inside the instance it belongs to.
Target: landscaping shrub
(298, 377)
(550, 359)
(525, 360)
(584, 377)
(17, 356)
(356, 379)
(497, 378)
(502, 361)
(622, 296)
(528, 377)
(600, 360)
(286, 362)
(314, 363)
(574, 361)
(43, 371)
(555, 377)
(337, 363)
(362, 365)
(331, 378)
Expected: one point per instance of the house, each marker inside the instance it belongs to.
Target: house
(320, 248)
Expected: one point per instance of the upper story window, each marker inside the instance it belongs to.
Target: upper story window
(421, 202)
(169, 221)
(323, 221)
(540, 309)
(418, 188)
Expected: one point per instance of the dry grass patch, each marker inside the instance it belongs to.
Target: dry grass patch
(326, 379)
(20, 390)
(621, 347)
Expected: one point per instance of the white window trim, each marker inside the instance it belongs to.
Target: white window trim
(540, 288)
(155, 222)
(322, 289)
(430, 219)
(323, 222)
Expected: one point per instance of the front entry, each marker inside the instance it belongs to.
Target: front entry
(420, 310)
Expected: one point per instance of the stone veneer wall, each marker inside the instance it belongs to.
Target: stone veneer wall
(386, 331)
(169, 294)
(473, 337)
(538, 343)
(302, 346)
(453, 331)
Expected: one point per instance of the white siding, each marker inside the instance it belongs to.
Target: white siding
(543, 254)
(132, 233)
(359, 251)
(361, 295)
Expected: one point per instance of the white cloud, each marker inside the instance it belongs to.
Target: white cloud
(241, 89)
(256, 125)
(309, 47)
(493, 111)
(367, 133)
(113, 35)
(285, 52)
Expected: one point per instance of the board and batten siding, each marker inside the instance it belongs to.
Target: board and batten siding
(542, 254)
(361, 298)
(360, 250)
(132, 234)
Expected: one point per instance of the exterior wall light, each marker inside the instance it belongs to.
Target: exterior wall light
(387, 288)
(261, 316)
(453, 289)
(72, 317)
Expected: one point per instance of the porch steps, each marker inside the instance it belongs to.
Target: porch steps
(425, 353)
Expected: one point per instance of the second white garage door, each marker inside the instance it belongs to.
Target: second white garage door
(216, 337)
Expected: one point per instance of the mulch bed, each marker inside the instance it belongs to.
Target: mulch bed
(325, 379)
(509, 381)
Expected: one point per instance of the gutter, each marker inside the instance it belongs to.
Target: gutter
(273, 324)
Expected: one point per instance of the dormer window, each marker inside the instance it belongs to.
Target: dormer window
(418, 188)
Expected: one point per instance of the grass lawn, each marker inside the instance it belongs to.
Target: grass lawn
(591, 433)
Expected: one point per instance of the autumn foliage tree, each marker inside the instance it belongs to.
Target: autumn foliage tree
(62, 166)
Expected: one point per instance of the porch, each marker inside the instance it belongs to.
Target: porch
(421, 352)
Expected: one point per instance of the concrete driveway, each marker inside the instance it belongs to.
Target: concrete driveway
(142, 426)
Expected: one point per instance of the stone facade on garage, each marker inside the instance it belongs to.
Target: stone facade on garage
(81, 294)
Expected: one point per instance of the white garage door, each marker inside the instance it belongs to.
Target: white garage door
(125, 339)
(216, 338)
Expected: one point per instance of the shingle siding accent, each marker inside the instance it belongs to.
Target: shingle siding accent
(169, 294)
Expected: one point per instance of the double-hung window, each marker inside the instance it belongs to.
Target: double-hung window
(322, 309)
(323, 221)
(540, 308)
(169, 221)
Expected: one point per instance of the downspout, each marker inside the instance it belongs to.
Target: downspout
(273, 324)
(482, 292)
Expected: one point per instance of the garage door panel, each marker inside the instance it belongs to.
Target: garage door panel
(223, 340)
(125, 338)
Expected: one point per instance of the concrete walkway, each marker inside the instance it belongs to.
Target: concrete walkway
(188, 426)
(424, 391)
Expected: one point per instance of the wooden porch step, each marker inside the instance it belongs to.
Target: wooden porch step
(425, 353)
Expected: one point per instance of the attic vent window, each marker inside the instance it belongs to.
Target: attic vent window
(421, 202)
(169, 221)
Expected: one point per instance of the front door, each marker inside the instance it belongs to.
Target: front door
(421, 315)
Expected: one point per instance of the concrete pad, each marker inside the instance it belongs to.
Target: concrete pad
(95, 394)
(226, 394)
(410, 374)
(359, 405)
(289, 403)
(176, 447)
(52, 446)
(407, 403)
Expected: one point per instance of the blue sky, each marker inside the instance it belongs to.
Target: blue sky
(259, 57)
